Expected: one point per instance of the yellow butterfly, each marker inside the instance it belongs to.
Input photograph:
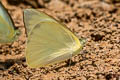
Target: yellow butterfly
(7, 29)
(48, 41)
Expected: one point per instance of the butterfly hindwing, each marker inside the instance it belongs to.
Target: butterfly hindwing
(49, 42)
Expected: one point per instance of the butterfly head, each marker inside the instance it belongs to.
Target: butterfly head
(82, 41)
(16, 35)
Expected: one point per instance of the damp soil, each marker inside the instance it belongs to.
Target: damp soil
(96, 20)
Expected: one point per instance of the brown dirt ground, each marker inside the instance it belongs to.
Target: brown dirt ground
(96, 20)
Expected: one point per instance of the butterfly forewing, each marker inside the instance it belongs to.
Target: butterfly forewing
(5, 15)
(33, 17)
(7, 31)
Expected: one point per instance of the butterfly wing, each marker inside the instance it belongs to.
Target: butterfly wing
(7, 31)
(48, 41)
(5, 15)
(37, 17)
